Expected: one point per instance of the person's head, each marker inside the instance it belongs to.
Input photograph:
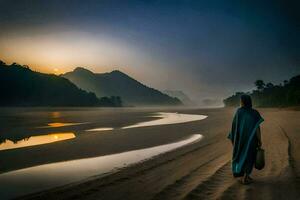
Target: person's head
(246, 101)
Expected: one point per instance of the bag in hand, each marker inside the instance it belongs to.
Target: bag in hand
(260, 159)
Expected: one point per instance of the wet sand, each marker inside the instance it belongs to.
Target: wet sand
(198, 171)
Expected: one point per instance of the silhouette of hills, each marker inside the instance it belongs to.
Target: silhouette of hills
(181, 96)
(117, 83)
(20, 86)
(270, 95)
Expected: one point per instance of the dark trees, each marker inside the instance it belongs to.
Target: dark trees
(270, 95)
(20, 86)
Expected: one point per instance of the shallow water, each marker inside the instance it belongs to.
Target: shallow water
(101, 129)
(39, 124)
(165, 118)
(168, 118)
(36, 140)
(38, 178)
(59, 124)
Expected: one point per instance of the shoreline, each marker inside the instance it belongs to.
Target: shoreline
(70, 172)
(202, 170)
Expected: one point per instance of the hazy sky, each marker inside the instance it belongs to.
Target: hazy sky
(208, 49)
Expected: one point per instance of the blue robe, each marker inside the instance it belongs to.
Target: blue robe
(244, 140)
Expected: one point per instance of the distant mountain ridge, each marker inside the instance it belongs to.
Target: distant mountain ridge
(20, 86)
(117, 83)
(181, 96)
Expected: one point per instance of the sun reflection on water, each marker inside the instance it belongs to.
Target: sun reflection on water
(55, 114)
(37, 140)
(59, 124)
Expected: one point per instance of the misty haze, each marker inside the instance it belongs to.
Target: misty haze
(142, 100)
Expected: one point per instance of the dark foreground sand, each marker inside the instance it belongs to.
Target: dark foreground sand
(202, 170)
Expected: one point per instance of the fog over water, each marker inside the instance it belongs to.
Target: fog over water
(37, 178)
(207, 49)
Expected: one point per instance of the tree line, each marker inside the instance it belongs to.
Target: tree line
(20, 86)
(270, 95)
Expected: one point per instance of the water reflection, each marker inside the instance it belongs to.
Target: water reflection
(164, 119)
(168, 118)
(101, 129)
(56, 114)
(59, 124)
(56, 174)
(36, 140)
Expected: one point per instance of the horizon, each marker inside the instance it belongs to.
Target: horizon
(149, 99)
(197, 104)
(208, 50)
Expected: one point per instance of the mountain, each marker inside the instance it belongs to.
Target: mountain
(181, 96)
(20, 86)
(116, 83)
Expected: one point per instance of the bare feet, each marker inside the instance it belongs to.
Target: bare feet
(246, 180)
(250, 179)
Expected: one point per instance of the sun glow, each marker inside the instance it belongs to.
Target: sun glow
(37, 140)
(66, 50)
(59, 124)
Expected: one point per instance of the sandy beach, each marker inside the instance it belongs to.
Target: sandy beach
(149, 100)
(197, 171)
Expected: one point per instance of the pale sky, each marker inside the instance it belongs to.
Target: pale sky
(206, 49)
